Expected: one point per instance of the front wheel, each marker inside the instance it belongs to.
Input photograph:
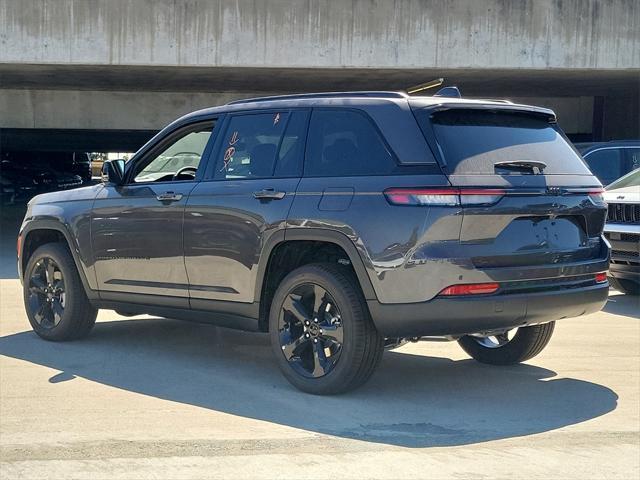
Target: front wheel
(321, 332)
(54, 297)
(508, 348)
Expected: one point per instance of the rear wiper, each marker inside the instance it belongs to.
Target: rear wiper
(531, 165)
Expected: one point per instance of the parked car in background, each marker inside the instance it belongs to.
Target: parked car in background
(96, 166)
(15, 183)
(29, 175)
(340, 223)
(74, 163)
(623, 232)
(611, 160)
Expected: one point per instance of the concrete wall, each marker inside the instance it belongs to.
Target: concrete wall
(101, 110)
(485, 34)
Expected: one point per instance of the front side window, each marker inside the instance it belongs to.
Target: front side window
(250, 146)
(178, 161)
(344, 143)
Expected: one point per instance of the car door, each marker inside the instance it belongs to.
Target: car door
(244, 201)
(137, 227)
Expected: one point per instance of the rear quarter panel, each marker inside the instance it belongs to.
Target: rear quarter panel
(393, 242)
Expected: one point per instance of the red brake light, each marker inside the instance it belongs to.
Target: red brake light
(601, 277)
(447, 196)
(470, 289)
(19, 245)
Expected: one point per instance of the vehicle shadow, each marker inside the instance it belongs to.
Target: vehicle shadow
(621, 304)
(412, 401)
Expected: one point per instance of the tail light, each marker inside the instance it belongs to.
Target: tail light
(18, 246)
(597, 196)
(601, 277)
(470, 289)
(443, 197)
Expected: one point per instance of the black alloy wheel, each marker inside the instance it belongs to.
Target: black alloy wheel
(310, 330)
(322, 335)
(46, 298)
(54, 297)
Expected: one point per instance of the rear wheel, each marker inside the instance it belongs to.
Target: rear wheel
(625, 286)
(321, 332)
(508, 348)
(54, 297)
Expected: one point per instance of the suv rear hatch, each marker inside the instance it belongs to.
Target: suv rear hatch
(527, 197)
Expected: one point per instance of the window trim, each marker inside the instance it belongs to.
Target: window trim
(167, 140)
(306, 162)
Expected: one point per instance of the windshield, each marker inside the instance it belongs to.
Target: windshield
(629, 180)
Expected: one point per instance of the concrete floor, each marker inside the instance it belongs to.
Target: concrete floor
(152, 398)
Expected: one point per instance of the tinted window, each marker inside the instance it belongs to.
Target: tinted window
(345, 142)
(633, 158)
(291, 151)
(472, 141)
(250, 145)
(607, 164)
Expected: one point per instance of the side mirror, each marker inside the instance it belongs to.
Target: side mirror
(113, 171)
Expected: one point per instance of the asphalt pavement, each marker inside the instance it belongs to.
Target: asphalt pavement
(154, 398)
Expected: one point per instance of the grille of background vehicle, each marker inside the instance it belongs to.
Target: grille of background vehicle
(630, 237)
(623, 213)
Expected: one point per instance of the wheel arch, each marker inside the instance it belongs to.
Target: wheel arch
(330, 242)
(40, 232)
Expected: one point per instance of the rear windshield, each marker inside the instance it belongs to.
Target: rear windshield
(472, 141)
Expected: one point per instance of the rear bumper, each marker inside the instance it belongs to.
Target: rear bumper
(464, 315)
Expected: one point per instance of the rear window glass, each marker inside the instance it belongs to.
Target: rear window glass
(472, 141)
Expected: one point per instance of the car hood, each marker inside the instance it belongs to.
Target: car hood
(83, 193)
(623, 195)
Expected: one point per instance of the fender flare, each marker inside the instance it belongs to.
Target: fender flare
(319, 235)
(46, 224)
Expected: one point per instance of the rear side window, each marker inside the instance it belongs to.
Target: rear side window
(251, 145)
(343, 143)
(472, 141)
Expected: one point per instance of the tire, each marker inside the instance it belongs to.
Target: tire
(42, 298)
(347, 347)
(525, 344)
(625, 286)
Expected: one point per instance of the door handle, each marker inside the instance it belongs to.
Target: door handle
(169, 197)
(269, 194)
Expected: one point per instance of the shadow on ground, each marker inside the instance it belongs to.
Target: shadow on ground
(413, 401)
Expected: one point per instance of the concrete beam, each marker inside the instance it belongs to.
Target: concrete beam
(489, 34)
(102, 110)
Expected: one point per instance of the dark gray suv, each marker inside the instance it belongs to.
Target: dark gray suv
(339, 223)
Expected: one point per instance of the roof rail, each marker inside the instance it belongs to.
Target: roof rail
(379, 94)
